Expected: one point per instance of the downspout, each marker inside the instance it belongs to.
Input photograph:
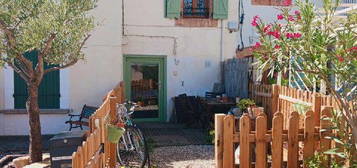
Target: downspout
(221, 54)
(122, 16)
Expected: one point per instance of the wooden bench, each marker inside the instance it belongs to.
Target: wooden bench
(82, 118)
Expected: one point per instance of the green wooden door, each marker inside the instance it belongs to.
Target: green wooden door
(145, 83)
(49, 90)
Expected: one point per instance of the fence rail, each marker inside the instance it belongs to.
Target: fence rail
(285, 99)
(279, 136)
(97, 151)
(276, 147)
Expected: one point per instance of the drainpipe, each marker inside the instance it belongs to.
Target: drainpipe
(221, 54)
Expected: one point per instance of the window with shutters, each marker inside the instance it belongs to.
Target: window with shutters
(49, 90)
(196, 13)
(196, 9)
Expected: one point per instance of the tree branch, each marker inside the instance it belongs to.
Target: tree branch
(61, 67)
(11, 43)
(70, 63)
(18, 71)
(40, 65)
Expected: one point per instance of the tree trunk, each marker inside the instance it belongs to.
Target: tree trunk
(33, 110)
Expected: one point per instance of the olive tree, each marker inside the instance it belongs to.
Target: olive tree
(57, 30)
(315, 42)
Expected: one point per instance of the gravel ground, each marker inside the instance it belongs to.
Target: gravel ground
(191, 156)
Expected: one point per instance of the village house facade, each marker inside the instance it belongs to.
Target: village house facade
(160, 48)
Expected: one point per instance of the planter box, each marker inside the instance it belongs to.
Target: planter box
(63, 145)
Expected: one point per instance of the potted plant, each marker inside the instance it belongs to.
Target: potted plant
(115, 132)
(245, 104)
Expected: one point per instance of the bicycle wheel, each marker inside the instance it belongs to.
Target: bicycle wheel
(132, 148)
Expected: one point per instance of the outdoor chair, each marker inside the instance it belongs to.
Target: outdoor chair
(82, 118)
(218, 90)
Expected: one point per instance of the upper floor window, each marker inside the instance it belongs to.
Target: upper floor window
(212, 9)
(196, 9)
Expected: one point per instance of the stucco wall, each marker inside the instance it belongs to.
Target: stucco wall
(193, 53)
(2, 89)
(84, 83)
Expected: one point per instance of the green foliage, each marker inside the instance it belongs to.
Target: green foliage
(343, 152)
(311, 39)
(245, 103)
(34, 21)
(301, 108)
(210, 136)
(317, 44)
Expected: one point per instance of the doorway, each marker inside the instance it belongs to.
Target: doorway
(145, 84)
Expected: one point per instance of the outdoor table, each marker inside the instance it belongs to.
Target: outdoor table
(213, 106)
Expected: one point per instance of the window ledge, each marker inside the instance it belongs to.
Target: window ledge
(196, 22)
(42, 111)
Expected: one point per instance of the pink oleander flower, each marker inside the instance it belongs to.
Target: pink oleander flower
(257, 45)
(276, 34)
(280, 17)
(287, 3)
(255, 21)
(353, 49)
(298, 14)
(266, 28)
(291, 18)
(289, 35)
(340, 58)
(297, 35)
(293, 35)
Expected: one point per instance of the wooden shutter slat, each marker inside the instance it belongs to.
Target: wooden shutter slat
(220, 9)
(173, 8)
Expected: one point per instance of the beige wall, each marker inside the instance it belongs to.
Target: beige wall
(2, 89)
(193, 54)
(91, 79)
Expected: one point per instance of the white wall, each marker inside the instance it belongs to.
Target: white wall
(266, 13)
(17, 124)
(193, 54)
(84, 83)
(2, 89)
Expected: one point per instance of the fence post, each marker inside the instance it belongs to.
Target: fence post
(244, 154)
(277, 140)
(293, 141)
(274, 99)
(309, 140)
(317, 108)
(112, 146)
(261, 145)
(218, 140)
(228, 145)
(325, 144)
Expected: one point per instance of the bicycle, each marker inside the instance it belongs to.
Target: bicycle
(132, 148)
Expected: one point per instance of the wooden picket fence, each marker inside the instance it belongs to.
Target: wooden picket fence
(264, 147)
(97, 151)
(285, 99)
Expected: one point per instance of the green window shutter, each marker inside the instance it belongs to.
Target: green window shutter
(220, 9)
(49, 90)
(173, 8)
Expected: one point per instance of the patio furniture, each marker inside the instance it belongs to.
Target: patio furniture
(86, 112)
(218, 90)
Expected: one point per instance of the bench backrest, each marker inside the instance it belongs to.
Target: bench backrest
(87, 111)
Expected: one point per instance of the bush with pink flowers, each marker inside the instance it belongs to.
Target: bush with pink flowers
(324, 47)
